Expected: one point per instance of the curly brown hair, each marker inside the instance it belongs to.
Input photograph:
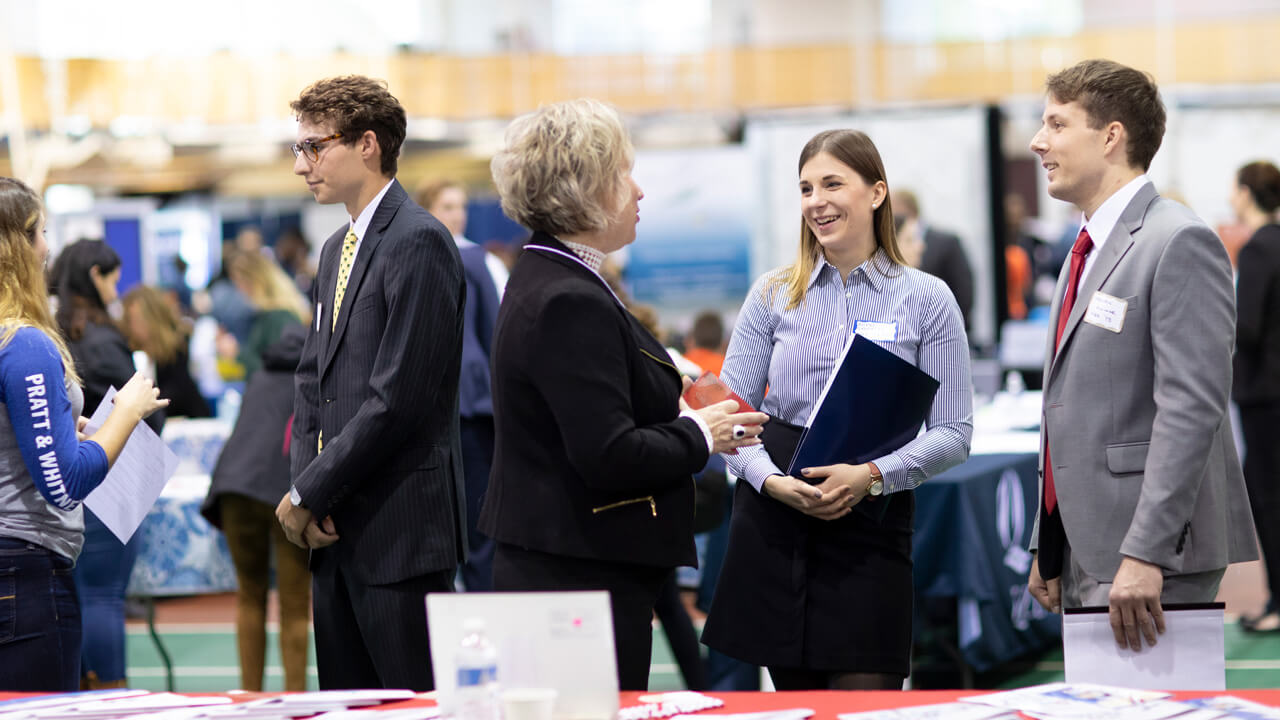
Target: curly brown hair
(353, 105)
(1111, 92)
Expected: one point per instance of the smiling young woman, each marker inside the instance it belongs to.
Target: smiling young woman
(813, 586)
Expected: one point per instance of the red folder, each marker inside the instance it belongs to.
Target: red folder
(709, 390)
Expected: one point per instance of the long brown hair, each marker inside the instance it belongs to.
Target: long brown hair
(24, 299)
(166, 336)
(855, 150)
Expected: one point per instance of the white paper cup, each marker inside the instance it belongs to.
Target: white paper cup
(528, 703)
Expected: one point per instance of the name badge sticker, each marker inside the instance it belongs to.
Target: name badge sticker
(319, 308)
(878, 331)
(1106, 311)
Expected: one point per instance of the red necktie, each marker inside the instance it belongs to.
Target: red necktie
(1079, 252)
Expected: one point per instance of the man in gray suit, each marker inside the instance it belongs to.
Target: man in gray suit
(1143, 501)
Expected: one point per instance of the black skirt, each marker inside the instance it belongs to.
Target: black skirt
(798, 592)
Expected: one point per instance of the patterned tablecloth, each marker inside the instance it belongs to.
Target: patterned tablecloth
(180, 553)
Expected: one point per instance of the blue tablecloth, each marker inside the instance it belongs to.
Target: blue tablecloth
(179, 552)
(972, 527)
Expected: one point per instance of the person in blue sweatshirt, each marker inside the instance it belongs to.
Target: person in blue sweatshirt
(47, 467)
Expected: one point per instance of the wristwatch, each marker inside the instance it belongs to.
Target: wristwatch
(876, 487)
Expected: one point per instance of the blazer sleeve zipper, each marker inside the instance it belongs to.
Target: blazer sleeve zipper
(653, 505)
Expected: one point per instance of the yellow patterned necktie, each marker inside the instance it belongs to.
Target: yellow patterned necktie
(344, 272)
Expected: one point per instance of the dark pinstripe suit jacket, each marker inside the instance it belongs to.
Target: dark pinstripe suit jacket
(591, 460)
(383, 387)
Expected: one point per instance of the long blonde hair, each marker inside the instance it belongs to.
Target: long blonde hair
(166, 336)
(24, 299)
(854, 149)
(267, 286)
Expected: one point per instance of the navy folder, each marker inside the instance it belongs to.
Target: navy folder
(874, 403)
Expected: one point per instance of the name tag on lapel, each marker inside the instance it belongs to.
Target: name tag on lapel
(1106, 311)
(319, 309)
(878, 331)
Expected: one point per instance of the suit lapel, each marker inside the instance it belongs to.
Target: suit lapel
(368, 245)
(1113, 251)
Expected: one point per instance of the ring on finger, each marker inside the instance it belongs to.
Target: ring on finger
(739, 432)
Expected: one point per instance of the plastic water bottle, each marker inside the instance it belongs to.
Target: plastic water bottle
(477, 662)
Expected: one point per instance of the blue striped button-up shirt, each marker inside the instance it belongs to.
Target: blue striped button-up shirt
(793, 352)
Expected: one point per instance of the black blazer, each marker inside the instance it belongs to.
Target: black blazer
(1257, 359)
(103, 359)
(592, 459)
(383, 388)
(944, 257)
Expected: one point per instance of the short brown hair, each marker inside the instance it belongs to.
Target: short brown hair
(708, 330)
(1111, 92)
(354, 104)
(1263, 182)
(430, 190)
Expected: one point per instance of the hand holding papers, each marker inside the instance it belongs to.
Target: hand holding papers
(135, 480)
(1189, 656)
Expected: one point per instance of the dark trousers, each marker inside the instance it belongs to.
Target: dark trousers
(1262, 478)
(39, 620)
(477, 458)
(102, 575)
(373, 636)
(678, 628)
(633, 590)
(723, 672)
(252, 533)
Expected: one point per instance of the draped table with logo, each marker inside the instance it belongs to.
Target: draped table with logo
(972, 528)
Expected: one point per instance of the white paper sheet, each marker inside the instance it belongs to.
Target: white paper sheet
(942, 711)
(130, 706)
(135, 480)
(788, 714)
(1075, 700)
(1189, 656)
(1226, 706)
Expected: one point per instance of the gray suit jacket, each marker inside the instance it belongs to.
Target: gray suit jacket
(1136, 420)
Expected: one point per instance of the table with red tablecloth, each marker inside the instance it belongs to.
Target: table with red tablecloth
(825, 704)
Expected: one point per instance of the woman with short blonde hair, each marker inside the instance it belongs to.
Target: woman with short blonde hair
(564, 167)
(591, 487)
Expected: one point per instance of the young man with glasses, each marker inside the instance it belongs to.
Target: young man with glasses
(377, 480)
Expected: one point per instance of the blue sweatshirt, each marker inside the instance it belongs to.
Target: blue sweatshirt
(45, 472)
